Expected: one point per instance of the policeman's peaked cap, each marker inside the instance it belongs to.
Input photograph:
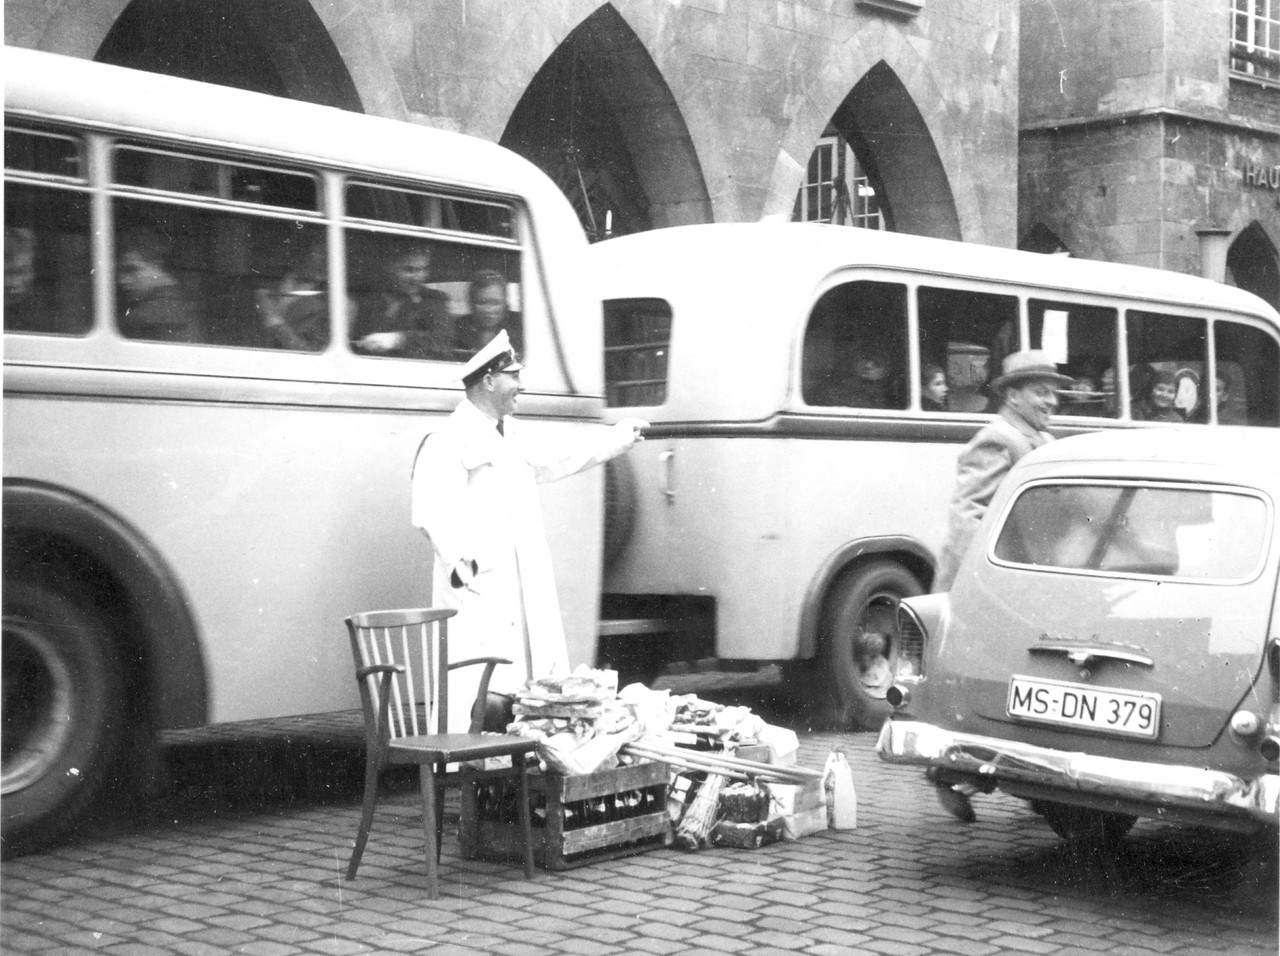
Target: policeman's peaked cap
(496, 356)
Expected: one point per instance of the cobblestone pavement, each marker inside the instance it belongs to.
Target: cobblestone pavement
(243, 853)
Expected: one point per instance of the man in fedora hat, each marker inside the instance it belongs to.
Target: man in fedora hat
(1029, 386)
(474, 494)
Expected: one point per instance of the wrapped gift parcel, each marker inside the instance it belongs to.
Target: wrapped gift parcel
(802, 807)
(743, 802)
(578, 721)
(783, 744)
(748, 836)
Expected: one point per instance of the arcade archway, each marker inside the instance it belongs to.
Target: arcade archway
(1251, 263)
(278, 47)
(601, 121)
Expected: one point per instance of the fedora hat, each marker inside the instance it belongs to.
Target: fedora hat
(1026, 365)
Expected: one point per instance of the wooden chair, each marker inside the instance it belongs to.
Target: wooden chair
(402, 665)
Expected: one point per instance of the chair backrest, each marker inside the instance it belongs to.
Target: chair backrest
(417, 640)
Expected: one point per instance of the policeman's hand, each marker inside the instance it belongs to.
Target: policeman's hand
(463, 573)
(636, 425)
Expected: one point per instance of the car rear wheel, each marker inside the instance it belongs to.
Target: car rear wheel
(859, 641)
(61, 717)
(1081, 825)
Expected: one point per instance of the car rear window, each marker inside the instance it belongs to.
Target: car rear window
(1169, 531)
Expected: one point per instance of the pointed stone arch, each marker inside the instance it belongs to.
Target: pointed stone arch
(1040, 238)
(893, 141)
(599, 118)
(1252, 263)
(279, 47)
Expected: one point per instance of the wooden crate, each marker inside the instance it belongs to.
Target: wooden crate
(559, 799)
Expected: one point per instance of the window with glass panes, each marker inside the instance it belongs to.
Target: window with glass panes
(837, 188)
(1255, 34)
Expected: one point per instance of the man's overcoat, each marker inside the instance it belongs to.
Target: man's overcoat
(475, 495)
(982, 466)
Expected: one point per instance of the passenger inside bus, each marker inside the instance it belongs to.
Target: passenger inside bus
(47, 283)
(1085, 395)
(1110, 394)
(1154, 390)
(25, 309)
(153, 304)
(405, 317)
(488, 314)
(295, 315)
(1230, 411)
(933, 388)
(867, 383)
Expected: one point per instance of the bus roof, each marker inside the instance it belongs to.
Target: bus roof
(749, 288)
(808, 252)
(99, 95)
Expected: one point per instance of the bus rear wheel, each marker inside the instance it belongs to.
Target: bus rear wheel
(61, 715)
(859, 642)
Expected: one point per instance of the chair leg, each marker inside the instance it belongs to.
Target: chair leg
(371, 769)
(427, 783)
(441, 769)
(526, 825)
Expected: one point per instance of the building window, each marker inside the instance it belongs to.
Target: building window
(1255, 36)
(837, 188)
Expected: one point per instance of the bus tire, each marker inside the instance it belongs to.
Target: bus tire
(619, 507)
(62, 713)
(862, 603)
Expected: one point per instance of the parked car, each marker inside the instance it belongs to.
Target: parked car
(1110, 648)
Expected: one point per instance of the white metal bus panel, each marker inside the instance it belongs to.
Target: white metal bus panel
(271, 487)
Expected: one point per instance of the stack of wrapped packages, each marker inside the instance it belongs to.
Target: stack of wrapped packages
(734, 779)
(580, 722)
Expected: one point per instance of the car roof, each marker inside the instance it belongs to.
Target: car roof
(1192, 452)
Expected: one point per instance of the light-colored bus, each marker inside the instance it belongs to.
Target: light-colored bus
(795, 480)
(229, 322)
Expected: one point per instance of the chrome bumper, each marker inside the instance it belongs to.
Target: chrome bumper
(1160, 785)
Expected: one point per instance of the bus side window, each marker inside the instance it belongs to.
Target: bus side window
(1168, 358)
(637, 351)
(855, 347)
(1082, 340)
(214, 278)
(200, 274)
(968, 334)
(47, 285)
(1245, 392)
(428, 300)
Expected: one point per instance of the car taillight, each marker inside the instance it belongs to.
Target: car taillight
(911, 634)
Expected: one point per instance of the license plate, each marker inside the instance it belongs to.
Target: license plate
(1079, 705)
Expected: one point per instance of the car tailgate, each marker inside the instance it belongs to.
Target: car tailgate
(1194, 649)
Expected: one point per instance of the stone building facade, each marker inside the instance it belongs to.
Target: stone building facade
(1141, 131)
(1150, 134)
(649, 112)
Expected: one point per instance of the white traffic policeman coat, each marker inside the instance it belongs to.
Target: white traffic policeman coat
(475, 495)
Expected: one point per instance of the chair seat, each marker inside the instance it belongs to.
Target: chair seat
(442, 748)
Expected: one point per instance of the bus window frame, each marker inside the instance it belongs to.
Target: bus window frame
(97, 144)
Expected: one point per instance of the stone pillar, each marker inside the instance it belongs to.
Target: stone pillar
(1214, 241)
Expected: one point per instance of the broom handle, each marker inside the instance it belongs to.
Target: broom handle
(737, 763)
(714, 765)
(680, 761)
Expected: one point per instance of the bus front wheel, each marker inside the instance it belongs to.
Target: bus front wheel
(858, 648)
(61, 719)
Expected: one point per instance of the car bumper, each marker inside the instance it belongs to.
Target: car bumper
(1155, 784)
